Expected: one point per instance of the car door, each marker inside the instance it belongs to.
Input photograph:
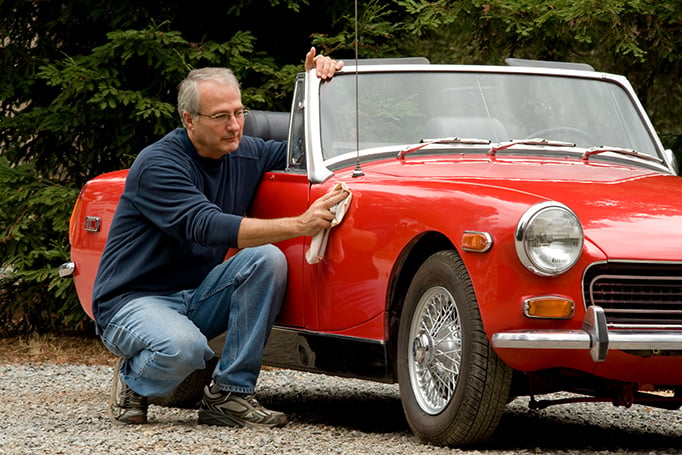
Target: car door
(286, 193)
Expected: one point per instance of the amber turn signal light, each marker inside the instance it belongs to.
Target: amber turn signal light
(476, 241)
(549, 307)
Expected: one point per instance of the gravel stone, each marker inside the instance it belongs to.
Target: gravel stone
(61, 409)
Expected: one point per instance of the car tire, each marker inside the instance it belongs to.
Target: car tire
(453, 386)
(190, 391)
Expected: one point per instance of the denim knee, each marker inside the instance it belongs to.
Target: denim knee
(185, 352)
(274, 262)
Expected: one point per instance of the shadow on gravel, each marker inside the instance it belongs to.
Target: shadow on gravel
(530, 429)
(350, 409)
(521, 429)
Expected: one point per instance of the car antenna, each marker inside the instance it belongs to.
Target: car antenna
(358, 170)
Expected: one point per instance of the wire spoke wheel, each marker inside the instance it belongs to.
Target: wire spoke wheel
(453, 387)
(435, 358)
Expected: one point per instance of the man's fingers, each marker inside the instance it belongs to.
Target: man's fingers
(310, 59)
(325, 67)
(334, 197)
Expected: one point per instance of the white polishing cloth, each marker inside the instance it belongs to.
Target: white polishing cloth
(318, 244)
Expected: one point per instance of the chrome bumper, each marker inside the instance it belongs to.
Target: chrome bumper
(593, 336)
(67, 269)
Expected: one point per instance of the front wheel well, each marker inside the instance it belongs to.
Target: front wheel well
(412, 257)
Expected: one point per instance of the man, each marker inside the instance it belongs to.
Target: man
(163, 288)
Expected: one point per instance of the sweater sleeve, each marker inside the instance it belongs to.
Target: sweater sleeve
(167, 195)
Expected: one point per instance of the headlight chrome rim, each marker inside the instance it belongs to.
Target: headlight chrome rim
(556, 255)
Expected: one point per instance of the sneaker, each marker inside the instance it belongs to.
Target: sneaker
(125, 406)
(236, 410)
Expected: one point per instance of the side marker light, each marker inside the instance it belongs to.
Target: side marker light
(476, 241)
(549, 307)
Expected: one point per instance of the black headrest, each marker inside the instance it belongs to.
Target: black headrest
(267, 125)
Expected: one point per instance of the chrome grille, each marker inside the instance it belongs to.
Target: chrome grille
(636, 294)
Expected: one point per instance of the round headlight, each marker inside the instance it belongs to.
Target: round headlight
(549, 238)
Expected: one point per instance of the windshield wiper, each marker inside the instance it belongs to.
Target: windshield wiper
(533, 141)
(443, 140)
(623, 151)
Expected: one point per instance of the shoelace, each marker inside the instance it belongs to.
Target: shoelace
(252, 401)
(133, 400)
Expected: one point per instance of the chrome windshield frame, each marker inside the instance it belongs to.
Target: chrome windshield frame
(319, 167)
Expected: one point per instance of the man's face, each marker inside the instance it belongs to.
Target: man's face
(216, 137)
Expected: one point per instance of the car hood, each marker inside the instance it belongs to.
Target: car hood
(630, 213)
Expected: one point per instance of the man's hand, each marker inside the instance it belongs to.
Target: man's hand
(318, 216)
(325, 66)
(255, 231)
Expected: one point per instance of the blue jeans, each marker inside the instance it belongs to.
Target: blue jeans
(165, 338)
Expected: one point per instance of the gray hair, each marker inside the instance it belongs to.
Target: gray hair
(188, 90)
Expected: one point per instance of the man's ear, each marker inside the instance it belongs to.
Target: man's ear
(188, 119)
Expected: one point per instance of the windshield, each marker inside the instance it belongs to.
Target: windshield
(407, 107)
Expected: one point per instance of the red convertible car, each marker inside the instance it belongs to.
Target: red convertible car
(513, 231)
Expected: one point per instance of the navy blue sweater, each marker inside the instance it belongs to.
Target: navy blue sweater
(178, 215)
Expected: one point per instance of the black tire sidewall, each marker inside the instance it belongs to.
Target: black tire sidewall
(438, 271)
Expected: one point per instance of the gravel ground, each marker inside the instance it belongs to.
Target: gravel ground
(61, 409)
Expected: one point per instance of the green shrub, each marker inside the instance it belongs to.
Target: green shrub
(107, 106)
